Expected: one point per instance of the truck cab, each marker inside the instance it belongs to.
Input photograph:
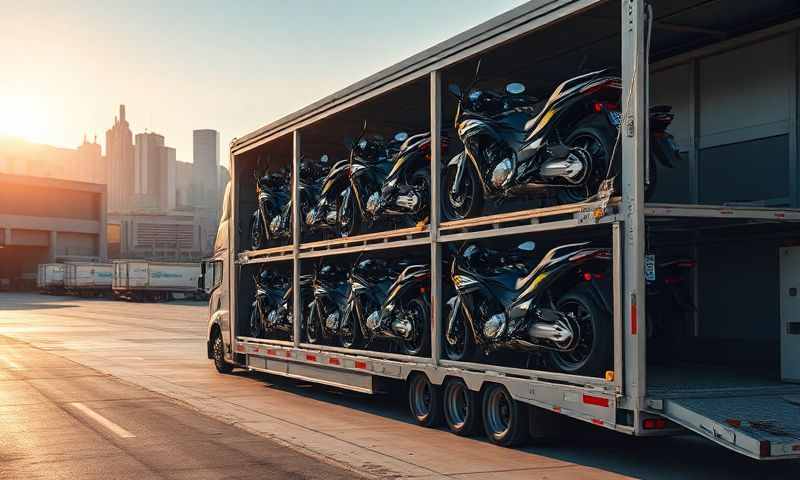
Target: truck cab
(213, 282)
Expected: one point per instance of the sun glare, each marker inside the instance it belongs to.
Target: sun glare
(24, 116)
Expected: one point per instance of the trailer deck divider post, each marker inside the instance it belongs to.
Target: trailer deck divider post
(436, 248)
(618, 324)
(633, 159)
(233, 273)
(296, 147)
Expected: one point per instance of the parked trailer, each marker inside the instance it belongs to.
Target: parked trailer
(50, 277)
(146, 280)
(746, 280)
(86, 278)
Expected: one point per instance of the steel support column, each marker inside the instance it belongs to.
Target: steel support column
(436, 248)
(296, 238)
(632, 169)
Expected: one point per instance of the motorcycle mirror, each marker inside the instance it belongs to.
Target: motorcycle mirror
(515, 88)
(455, 90)
(528, 246)
(400, 136)
(323, 159)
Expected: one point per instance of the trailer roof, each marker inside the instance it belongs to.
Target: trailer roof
(494, 31)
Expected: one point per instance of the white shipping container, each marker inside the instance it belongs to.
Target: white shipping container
(88, 275)
(50, 275)
(161, 276)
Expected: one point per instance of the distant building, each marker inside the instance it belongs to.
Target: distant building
(205, 186)
(183, 185)
(154, 173)
(47, 220)
(84, 164)
(120, 155)
(173, 236)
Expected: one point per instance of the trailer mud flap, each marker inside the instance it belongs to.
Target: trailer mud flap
(760, 426)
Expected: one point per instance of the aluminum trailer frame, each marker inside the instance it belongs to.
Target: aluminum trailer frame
(620, 401)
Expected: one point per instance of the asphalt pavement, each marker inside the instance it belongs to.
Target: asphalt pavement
(107, 389)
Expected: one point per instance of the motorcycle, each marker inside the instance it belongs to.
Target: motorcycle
(402, 193)
(324, 214)
(309, 185)
(273, 194)
(515, 144)
(380, 307)
(329, 297)
(560, 305)
(270, 313)
(668, 298)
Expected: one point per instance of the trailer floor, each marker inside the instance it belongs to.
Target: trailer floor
(692, 380)
(161, 347)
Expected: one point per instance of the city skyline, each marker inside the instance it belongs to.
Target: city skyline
(195, 80)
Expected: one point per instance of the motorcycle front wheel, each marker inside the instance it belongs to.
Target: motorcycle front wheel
(598, 143)
(460, 349)
(468, 199)
(313, 334)
(255, 323)
(257, 239)
(349, 331)
(349, 217)
(419, 310)
(592, 354)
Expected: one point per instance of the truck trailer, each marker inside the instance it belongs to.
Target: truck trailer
(50, 277)
(725, 367)
(88, 278)
(154, 281)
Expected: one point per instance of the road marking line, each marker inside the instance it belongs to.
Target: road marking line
(108, 424)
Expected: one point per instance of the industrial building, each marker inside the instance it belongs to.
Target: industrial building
(46, 220)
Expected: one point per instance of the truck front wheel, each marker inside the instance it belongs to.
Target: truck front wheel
(218, 350)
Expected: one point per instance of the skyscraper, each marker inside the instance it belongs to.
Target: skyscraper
(154, 173)
(205, 188)
(119, 154)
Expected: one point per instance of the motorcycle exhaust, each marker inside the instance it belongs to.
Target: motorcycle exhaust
(555, 332)
(571, 169)
(402, 327)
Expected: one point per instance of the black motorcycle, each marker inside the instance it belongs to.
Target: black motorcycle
(273, 194)
(389, 181)
(323, 216)
(329, 299)
(387, 300)
(668, 295)
(516, 145)
(270, 313)
(560, 305)
(312, 176)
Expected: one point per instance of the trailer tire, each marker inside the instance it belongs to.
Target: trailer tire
(505, 420)
(424, 401)
(218, 351)
(461, 406)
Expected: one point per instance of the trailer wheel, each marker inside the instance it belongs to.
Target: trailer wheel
(461, 408)
(424, 401)
(218, 349)
(505, 420)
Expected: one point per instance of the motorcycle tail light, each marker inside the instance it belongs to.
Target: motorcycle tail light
(422, 290)
(588, 276)
(673, 280)
(611, 107)
(687, 264)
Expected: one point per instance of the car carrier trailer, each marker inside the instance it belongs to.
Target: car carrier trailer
(748, 269)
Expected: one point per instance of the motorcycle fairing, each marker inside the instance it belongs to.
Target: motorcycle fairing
(338, 172)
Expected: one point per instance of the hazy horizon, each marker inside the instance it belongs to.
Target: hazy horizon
(181, 66)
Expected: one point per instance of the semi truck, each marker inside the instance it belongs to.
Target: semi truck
(50, 277)
(726, 368)
(88, 278)
(154, 281)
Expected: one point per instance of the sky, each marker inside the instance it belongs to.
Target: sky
(233, 66)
